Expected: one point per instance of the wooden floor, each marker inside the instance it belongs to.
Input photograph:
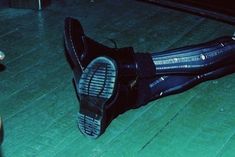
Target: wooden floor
(38, 102)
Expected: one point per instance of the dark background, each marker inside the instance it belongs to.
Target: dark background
(223, 6)
(217, 9)
(3, 3)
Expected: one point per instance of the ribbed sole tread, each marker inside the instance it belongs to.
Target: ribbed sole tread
(95, 88)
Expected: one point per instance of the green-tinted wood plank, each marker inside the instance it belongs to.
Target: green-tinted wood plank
(201, 128)
(45, 95)
(228, 148)
(27, 38)
(207, 30)
(38, 121)
(42, 67)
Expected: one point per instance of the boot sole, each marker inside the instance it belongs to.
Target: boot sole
(95, 88)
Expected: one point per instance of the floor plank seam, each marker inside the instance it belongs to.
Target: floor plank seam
(219, 152)
(167, 123)
(27, 85)
(9, 32)
(126, 128)
(186, 32)
(27, 106)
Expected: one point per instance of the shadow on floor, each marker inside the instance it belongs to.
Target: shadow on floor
(1, 153)
(2, 67)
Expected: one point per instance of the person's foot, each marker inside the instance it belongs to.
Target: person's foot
(108, 81)
(105, 92)
(80, 50)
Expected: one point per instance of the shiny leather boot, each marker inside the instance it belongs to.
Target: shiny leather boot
(108, 81)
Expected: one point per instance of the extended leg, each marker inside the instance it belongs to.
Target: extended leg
(103, 94)
(173, 84)
(196, 59)
(110, 81)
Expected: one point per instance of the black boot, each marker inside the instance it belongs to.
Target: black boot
(108, 81)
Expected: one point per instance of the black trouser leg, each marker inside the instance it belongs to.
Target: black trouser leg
(181, 69)
(196, 59)
(175, 71)
(172, 84)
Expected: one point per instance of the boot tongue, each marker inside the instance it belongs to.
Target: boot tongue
(93, 49)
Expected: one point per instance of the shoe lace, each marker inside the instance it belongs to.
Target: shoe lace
(113, 42)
